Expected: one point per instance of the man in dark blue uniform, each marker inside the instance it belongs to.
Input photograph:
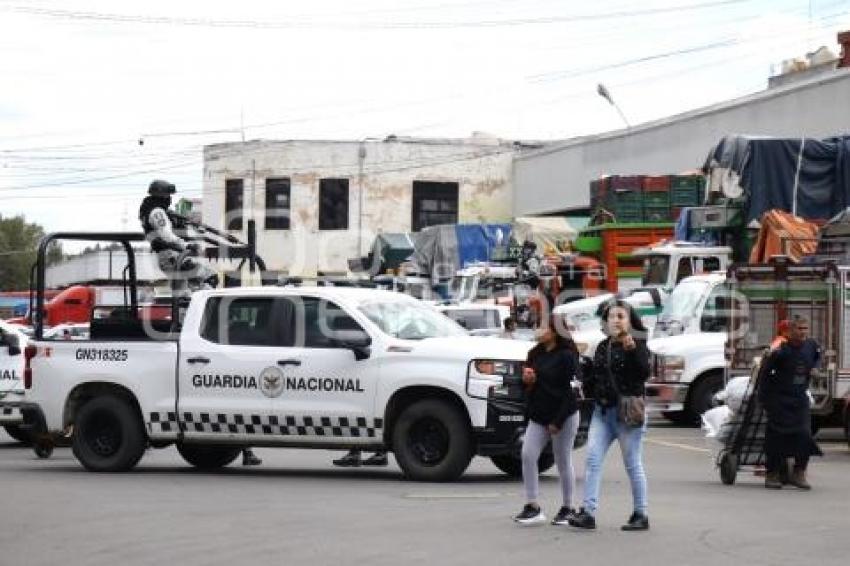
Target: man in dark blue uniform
(783, 392)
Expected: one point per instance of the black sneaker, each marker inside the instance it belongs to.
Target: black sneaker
(637, 522)
(378, 459)
(582, 520)
(350, 460)
(563, 516)
(530, 515)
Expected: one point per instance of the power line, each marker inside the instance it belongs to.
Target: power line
(541, 79)
(256, 24)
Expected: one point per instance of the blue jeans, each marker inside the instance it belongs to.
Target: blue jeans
(604, 429)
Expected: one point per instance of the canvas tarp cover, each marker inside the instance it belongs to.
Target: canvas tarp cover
(390, 250)
(440, 251)
(763, 171)
(550, 233)
(782, 233)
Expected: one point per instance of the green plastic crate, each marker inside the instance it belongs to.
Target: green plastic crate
(687, 182)
(686, 196)
(656, 214)
(656, 199)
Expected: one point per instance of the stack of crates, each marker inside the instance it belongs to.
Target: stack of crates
(656, 199)
(637, 199)
(686, 190)
(624, 198)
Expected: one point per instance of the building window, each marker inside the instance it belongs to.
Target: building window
(233, 199)
(434, 204)
(277, 204)
(333, 204)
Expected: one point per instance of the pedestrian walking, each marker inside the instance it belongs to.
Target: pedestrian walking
(782, 390)
(616, 383)
(552, 413)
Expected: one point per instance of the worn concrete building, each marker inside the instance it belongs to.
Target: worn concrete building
(555, 178)
(316, 204)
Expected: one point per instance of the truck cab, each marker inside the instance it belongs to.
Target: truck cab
(665, 265)
(686, 348)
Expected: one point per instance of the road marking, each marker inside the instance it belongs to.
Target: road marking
(677, 445)
(453, 495)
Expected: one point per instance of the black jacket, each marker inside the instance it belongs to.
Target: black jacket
(783, 383)
(630, 369)
(551, 399)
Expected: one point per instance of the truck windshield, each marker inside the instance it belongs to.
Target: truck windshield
(684, 299)
(655, 269)
(410, 321)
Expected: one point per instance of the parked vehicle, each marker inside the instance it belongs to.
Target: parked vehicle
(12, 343)
(686, 349)
(314, 367)
(477, 316)
(779, 291)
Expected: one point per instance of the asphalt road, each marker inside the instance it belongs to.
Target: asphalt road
(297, 509)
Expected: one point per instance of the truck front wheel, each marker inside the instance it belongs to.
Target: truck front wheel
(701, 396)
(432, 441)
(108, 435)
(208, 457)
(512, 465)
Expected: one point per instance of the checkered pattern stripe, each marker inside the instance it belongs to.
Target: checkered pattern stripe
(10, 415)
(266, 425)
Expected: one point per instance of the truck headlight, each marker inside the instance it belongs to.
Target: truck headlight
(495, 370)
(672, 367)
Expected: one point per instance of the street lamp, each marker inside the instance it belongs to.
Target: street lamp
(603, 91)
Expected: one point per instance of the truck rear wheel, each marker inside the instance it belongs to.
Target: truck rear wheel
(512, 465)
(17, 434)
(701, 397)
(208, 457)
(432, 441)
(108, 435)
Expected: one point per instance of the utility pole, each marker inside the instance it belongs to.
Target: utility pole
(361, 193)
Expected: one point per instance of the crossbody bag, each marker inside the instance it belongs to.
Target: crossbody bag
(631, 409)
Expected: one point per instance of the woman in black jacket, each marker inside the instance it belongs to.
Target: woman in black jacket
(552, 413)
(620, 368)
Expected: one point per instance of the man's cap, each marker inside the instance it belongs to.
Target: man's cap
(160, 188)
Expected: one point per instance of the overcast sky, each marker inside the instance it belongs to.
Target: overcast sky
(83, 82)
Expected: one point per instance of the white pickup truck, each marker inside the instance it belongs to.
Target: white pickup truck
(687, 362)
(12, 342)
(321, 367)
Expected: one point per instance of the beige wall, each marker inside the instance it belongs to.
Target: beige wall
(482, 169)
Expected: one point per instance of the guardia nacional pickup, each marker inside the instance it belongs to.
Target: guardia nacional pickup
(305, 367)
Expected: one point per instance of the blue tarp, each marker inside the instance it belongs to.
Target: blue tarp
(440, 251)
(762, 171)
(475, 242)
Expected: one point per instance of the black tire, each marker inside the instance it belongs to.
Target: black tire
(728, 468)
(43, 450)
(108, 435)
(512, 465)
(581, 439)
(206, 457)
(701, 396)
(17, 434)
(432, 441)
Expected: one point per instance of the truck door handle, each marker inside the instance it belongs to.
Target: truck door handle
(198, 360)
(289, 362)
